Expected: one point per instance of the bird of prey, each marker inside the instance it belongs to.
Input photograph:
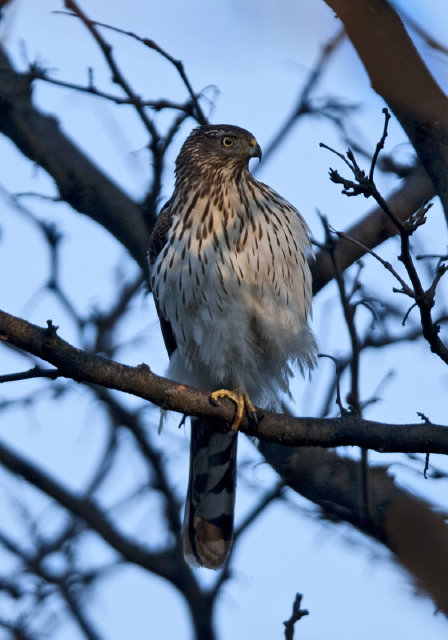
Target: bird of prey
(232, 286)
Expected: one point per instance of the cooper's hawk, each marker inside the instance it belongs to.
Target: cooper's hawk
(232, 286)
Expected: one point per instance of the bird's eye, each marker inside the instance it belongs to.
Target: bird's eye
(228, 141)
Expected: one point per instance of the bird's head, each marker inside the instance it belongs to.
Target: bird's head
(217, 145)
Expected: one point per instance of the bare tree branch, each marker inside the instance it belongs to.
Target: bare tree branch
(297, 614)
(140, 381)
(410, 528)
(197, 112)
(304, 105)
(398, 73)
(375, 227)
(423, 298)
(79, 182)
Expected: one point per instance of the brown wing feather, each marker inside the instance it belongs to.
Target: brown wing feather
(159, 233)
(156, 243)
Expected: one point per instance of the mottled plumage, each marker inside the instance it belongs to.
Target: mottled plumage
(232, 286)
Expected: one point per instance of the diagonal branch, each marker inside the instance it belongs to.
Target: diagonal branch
(79, 181)
(117, 76)
(303, 105)
(178, 64)
(417, 535)
(424, 299)
(399, 75)
(167, 564)
(374, 228)
(140, 381)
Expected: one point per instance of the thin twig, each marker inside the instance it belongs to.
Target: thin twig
(387, 265)
(349, 311)
(338, 368)
(117, 76)
(155, 105)
(199, 115)
(35, 372)
(380, 145)
(425, 299)
(303, 105)
(297, 614)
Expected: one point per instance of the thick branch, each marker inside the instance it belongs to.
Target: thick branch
(80, 183)
(399, 75)
(415, 533)
(347, 430)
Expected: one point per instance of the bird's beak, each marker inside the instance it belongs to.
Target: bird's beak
(254, 149)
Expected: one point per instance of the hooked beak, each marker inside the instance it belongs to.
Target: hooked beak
(255, 149)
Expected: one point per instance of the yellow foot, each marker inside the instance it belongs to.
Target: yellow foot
(242, 402)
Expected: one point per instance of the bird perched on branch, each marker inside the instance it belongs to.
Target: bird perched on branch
(231, 282)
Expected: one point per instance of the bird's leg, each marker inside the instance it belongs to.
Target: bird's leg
(242, 402)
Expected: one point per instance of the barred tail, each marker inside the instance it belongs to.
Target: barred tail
(209, 509)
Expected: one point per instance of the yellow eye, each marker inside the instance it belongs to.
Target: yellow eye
(228, 141)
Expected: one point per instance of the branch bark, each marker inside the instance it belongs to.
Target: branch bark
(348, 430)
(399, 75)
(79, 181)
(406, 525)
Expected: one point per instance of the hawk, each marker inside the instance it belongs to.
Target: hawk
(232, 286)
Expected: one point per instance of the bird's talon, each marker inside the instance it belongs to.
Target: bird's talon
(242, 402)
(252, 415)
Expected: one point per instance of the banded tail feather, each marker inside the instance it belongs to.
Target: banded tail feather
(209, 509)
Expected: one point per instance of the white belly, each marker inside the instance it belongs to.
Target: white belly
(238, 312)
